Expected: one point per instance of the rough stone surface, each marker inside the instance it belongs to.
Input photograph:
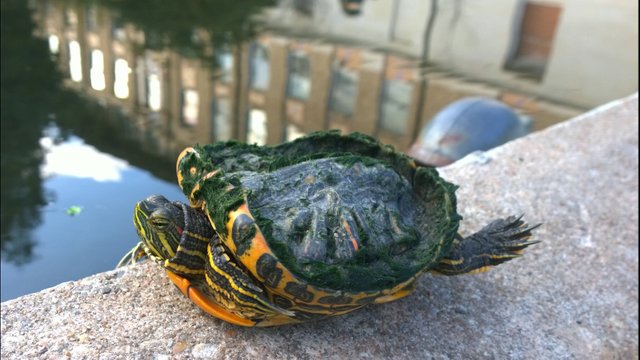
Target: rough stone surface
(573, 296)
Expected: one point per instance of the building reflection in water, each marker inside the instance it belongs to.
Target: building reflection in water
(174, 76)
(266, 90)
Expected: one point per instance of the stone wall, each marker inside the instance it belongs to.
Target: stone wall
(575, 295)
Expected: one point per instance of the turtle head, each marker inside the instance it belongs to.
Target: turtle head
(159, 223)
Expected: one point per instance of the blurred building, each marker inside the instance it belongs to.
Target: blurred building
(578, 52)
(280, 86)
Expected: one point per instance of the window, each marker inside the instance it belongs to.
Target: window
(155, 95)
(70, 18)
(121, 83)
(75, 61)
(97, 70)
(154, 85)
(344, 89)
(224, 57)
(117, 30)
(257, 127)
(533, 43)
(258, 67)
(91, 16)
(394, 107)
(220, 111)
(190, 103)
(54, 44)
(299, 82)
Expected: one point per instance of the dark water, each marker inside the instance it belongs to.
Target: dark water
(99, 97)
(73, 164)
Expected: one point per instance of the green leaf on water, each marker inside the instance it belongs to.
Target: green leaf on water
(74, 210)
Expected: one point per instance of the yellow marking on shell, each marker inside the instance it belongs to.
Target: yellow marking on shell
(181, 268)
(400, 286)
(345, 224)
(387, 295)
(195, 203)
(205, 303)
(183, 153)
(392, 297)
(334, 312)
(242, 209)
(210, 174)
(259, 247)
(438, 249)
(448, 204)
(200, 203)
(196, 187)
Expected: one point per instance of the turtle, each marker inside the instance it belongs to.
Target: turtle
(312, 228)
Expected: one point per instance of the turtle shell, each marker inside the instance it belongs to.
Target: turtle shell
(325, 221)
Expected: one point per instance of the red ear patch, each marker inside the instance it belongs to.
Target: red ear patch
(179, 230)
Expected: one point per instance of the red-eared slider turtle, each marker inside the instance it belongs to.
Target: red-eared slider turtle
(312, 228)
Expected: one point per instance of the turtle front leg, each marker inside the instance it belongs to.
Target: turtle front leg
(500, 241)
(229, 293)
(234, 289)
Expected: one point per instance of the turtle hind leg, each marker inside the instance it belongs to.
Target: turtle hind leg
(500, 241)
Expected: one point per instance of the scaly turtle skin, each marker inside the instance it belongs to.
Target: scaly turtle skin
(316, 227)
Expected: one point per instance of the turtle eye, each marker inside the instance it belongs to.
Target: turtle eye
(160, 223)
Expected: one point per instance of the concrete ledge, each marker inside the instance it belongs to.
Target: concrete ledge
(573, 296)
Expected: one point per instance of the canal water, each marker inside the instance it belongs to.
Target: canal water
(99, 97)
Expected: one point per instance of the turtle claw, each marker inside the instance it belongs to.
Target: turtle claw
(133, 256)
(500, 241)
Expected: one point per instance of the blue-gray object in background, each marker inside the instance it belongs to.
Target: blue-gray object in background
(465, 126)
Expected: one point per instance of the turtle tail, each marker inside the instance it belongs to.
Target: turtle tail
(500, 241)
